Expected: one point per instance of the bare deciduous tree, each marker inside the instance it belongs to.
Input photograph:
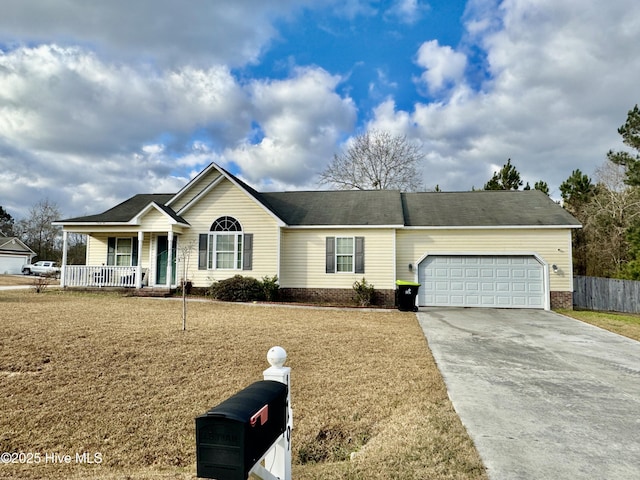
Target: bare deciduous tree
(612, 211)
(376, 160)
(38, 232)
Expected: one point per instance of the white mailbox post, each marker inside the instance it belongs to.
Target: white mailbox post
(277, 461)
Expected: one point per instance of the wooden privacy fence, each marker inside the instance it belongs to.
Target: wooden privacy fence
(610, 294)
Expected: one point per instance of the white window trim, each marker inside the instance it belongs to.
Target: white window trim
(212, 250)
(116, 254)
(352, 255)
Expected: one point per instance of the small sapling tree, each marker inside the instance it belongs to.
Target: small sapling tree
(184, 255)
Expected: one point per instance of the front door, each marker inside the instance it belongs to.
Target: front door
(162, 258)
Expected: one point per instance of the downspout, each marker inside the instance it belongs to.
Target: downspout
(278, 255)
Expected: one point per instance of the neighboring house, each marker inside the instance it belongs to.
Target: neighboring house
(481, 248)
(14, 254)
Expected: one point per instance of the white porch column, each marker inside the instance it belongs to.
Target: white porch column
(63, 267)
(139, 266)
(169, 257)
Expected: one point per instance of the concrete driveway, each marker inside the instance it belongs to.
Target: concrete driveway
(542, 396)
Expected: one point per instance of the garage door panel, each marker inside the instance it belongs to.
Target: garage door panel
(518, 273)
(472, 300)
(519, 301)
(457, 272)
(488, 300)
(478, 280)
(503, 273)
(519, 287)
(534, 275)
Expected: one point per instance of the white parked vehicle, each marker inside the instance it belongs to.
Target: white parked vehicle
(42, 268)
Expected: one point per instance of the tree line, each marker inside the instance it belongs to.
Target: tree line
(41, 236)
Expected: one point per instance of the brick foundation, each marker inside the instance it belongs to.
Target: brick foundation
(339, 296)
(561, 300)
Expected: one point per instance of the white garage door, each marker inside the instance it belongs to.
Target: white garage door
(481, 281)
(12, 264)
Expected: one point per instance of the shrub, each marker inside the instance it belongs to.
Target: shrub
(270, 288)
(237, 289)
(41, 283)
(365, 292)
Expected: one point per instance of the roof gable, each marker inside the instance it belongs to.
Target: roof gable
(167, 212)
(126, 211)
(208, 186)
(14, 245)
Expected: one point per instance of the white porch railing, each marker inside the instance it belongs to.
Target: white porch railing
(100, 276)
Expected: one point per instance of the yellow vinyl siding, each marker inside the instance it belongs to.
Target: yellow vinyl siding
(194, 189)
(552, 245)
(303, 258)
(97, 247)
(155, 221)
(228, 200)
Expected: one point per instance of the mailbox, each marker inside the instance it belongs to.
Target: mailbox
(233, 436)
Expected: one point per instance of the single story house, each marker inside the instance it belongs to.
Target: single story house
(478, 248)
(14, 254)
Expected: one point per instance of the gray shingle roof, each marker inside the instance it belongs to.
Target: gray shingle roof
(343, 207)
(128, 209)
(483, 209)
(377, 207)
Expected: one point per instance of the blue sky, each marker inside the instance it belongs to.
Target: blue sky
(103, 100)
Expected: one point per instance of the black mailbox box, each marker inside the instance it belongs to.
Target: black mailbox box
(233, 436)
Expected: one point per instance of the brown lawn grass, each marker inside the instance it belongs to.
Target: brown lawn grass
(626, 324)
(116, 376)
(17, 280)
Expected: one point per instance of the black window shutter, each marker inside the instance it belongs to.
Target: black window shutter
(202, 251)
(134, 251)
(111, 251)
(359, 257)
(331, 255)
(247, 251)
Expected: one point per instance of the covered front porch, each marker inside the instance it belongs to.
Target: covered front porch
(120, 260)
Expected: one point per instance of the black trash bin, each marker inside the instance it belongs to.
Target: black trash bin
(406, 294)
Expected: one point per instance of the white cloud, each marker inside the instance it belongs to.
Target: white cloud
(66, 99)
(301, 118)
(66, 117)
(561, 78)
(407, 11)
(443, 65)
(164, 32)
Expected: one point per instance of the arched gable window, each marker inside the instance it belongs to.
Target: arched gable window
(226, 224)
(225, 244)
